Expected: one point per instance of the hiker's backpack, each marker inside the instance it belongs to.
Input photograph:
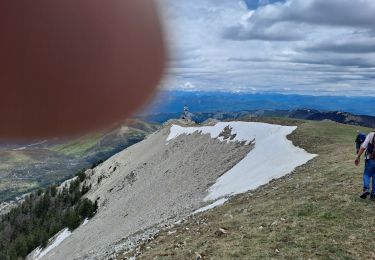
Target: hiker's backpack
(361, 138)
(371, 148)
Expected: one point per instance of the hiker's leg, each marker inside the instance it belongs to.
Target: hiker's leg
(367, 176)
(372, 172)
(366, 180)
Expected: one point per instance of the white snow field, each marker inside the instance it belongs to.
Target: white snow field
(64, 234)
(272, 157)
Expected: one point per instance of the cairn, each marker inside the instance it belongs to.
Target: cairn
(186, 115)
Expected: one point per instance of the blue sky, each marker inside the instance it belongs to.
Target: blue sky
(316, 47)
(254, 4)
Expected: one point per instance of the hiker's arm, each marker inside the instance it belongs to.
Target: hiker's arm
(360, 152)
(362, 149)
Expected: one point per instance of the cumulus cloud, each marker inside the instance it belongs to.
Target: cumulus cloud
(343, 45)
(359, 13)
(290, 16)
(268, 32)
(293, 46)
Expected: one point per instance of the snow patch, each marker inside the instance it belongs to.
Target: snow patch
(64, 234)
(213, 131)
(85, 221)
(217, 203)
(272, 157)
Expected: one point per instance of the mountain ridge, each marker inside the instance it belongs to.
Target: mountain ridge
(162, 180)
(302, 113)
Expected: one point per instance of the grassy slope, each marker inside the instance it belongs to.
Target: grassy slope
(83, 145)
(314, 213)
(80, 146)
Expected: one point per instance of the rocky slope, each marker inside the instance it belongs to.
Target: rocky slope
(167, 177)
(147, 184)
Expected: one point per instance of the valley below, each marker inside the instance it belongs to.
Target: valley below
(25, 167)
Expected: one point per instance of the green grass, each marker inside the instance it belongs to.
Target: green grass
(314, 213)
(79, 147)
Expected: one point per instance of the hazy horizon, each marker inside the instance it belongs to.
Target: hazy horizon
(172, 101)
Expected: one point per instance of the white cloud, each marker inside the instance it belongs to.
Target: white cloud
(296, 46)
(188, 86)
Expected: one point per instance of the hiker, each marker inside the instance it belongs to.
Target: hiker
(359, 140)
(368, 146)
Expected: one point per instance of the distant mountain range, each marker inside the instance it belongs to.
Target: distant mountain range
(173, 102)
(24, 167)
(307, 114)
